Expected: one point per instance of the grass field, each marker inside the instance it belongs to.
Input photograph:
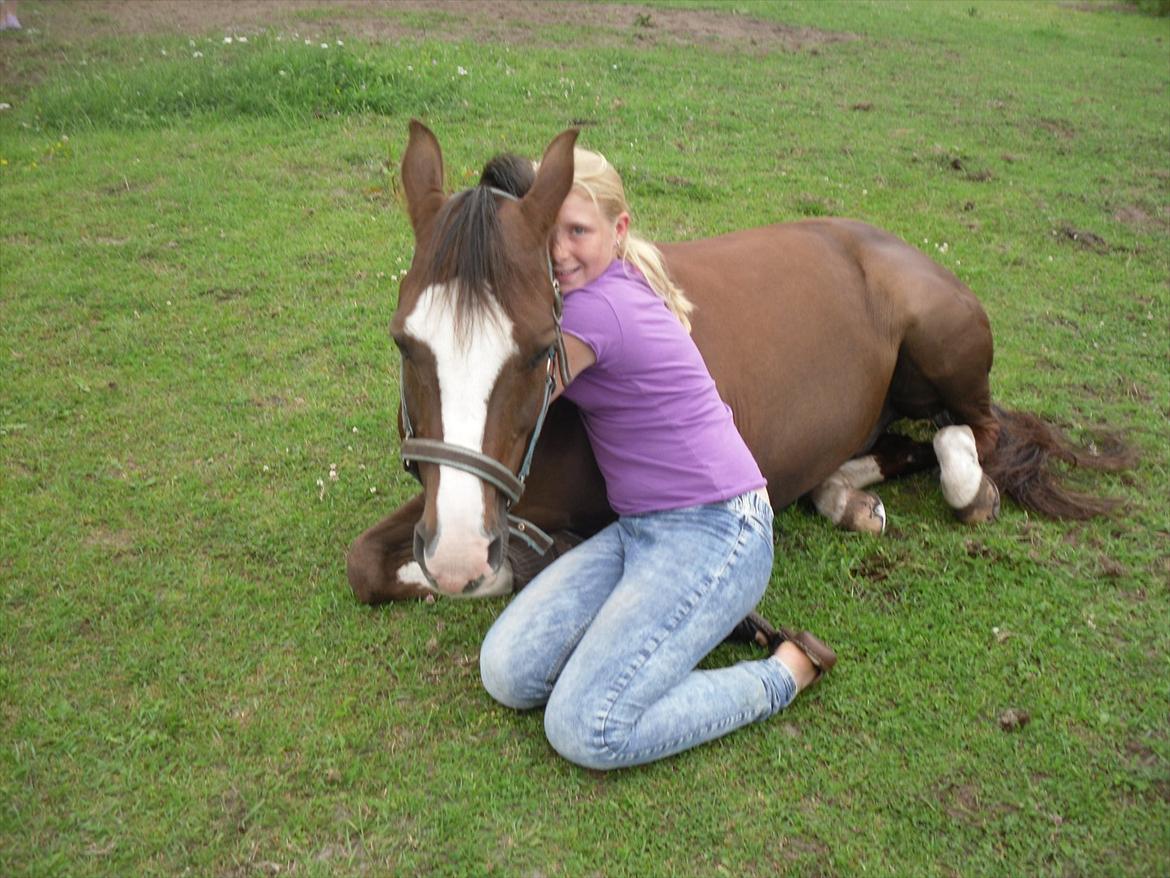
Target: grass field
(199, 244)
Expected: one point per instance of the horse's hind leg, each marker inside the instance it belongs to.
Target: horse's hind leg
(839, 497)
(965, 486)
(943, 369)
(956, 365)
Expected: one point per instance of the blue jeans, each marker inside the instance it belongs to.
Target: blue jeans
(608, 636)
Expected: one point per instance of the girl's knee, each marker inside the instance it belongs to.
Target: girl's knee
(574, 731)
(505, 678)
(496, 674)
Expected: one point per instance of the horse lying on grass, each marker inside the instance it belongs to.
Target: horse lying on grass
(820, 334)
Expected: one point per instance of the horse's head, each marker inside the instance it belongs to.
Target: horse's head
(477, 324)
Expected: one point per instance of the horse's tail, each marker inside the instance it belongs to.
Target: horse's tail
(1020, 466)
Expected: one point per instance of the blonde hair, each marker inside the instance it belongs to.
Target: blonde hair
(598, 179)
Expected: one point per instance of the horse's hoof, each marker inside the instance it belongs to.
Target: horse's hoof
(864, 513)
(985, 506)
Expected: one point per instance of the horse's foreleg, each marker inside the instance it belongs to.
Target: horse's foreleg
(965, 486)
(380, 564)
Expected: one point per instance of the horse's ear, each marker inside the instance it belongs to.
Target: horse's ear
(553, 181)
(422, 175)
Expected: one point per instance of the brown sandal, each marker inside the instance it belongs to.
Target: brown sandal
(819, 653)
(758, 630)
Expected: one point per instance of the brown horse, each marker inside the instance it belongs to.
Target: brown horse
(819, 335)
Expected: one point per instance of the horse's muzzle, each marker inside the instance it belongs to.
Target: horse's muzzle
(470, 573)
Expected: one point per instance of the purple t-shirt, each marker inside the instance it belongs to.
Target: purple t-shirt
(661, 435)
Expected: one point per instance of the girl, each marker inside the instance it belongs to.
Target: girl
(608, 636)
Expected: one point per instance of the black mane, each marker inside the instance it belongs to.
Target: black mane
(469, 253)
(510, 173)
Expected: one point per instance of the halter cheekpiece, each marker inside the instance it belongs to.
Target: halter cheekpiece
(488, 469)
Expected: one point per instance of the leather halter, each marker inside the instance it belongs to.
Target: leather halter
(488, 469)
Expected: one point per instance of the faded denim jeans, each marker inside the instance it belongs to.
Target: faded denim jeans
(608, 636)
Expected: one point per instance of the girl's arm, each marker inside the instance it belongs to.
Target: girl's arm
(581, 357)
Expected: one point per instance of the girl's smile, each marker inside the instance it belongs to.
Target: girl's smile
(584, 242)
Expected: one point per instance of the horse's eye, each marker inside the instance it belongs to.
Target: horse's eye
(402, 348)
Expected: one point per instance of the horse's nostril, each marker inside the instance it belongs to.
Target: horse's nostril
(495, 555)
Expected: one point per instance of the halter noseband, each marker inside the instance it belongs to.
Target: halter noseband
(488, 469)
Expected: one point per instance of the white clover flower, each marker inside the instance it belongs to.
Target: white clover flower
(227, 41)
(242, 39)
(196, 54)
(462, 71)
(324, 45)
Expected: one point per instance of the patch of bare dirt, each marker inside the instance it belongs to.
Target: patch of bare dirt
(115, 542)
(1058, 128)
(503, 21)
(1141, 219)
(1082, 238)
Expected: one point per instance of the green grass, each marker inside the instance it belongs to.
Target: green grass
(194, 294)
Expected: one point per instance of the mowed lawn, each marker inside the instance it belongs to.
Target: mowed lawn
(200, 241)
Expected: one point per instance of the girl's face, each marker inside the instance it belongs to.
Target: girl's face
(584, 242)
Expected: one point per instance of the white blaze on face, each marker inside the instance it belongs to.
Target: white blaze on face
(467, 372)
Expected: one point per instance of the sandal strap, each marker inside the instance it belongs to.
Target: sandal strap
(756, 629)
(819, 653)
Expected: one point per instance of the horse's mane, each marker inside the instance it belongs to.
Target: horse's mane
(469, 255)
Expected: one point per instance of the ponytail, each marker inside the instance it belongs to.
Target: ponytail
(644, 256)
(594, 176)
